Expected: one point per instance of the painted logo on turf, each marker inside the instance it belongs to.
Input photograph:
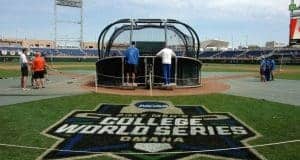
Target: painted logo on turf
(151, 105)
(148, 129)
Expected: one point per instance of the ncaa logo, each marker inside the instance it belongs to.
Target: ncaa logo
(151, 105)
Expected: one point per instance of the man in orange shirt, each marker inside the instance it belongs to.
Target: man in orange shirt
(38, 65)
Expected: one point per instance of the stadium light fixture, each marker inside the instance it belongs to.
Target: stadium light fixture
(292, 7)
(69, 3)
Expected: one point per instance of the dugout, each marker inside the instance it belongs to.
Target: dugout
(150, 36)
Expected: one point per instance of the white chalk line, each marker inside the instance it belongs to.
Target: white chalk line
(124, 153)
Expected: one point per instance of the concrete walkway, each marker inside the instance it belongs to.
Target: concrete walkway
(223, 74)
(57, 86)
(282, 91)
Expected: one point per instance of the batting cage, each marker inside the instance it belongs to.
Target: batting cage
(150, 36)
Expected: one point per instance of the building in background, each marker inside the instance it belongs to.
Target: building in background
(37, 43)
(89, 45)
(214, 45)
(26, 43)
(274, 44)
(253, 47)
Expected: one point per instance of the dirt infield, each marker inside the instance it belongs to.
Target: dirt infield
(209, 85)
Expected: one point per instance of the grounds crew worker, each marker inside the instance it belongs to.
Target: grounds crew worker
(166, 54)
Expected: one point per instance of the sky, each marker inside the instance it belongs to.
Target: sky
(240, 22)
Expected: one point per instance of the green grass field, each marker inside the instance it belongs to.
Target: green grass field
(11, 69)
(22, 123)
(291, 76)
(9, 73)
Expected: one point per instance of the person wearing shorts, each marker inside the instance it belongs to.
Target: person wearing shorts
(45, 69)
(131, 68)
(262, 69)
(38, 65)
(272, 69)
(132, 55)
(24, 68)
(31, 69)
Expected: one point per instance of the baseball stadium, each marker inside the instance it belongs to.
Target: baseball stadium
(148, 88)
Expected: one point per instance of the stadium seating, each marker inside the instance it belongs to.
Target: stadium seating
(55, 52)
(255, 53)
(229, 54)
(91, 52)
(288, 52)
(207, 54)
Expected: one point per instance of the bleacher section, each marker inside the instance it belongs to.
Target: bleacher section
(207, 54)
(288, 52)
(256, 53)
(54, 52)
(235, 54)
(229, 54)
(60, 52)
(91, 52)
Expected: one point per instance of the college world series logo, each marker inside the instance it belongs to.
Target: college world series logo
(150, 129)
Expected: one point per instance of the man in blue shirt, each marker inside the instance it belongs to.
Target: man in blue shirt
(268, 70)
(272, 69)
(132, 55)
(262, 70)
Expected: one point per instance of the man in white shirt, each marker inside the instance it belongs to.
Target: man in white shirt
(166, 55)
(24, 68)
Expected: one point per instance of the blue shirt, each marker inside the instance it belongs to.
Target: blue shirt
(268, 64)
(272, 64)
(132, 55)
(263, 65)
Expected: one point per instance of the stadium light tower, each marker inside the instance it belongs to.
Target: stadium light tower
(68, 39)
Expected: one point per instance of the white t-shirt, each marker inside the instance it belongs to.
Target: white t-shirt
(23, 58)
(166, 55)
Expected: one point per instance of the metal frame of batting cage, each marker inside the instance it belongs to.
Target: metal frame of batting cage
(190, 39)
(133, 24)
